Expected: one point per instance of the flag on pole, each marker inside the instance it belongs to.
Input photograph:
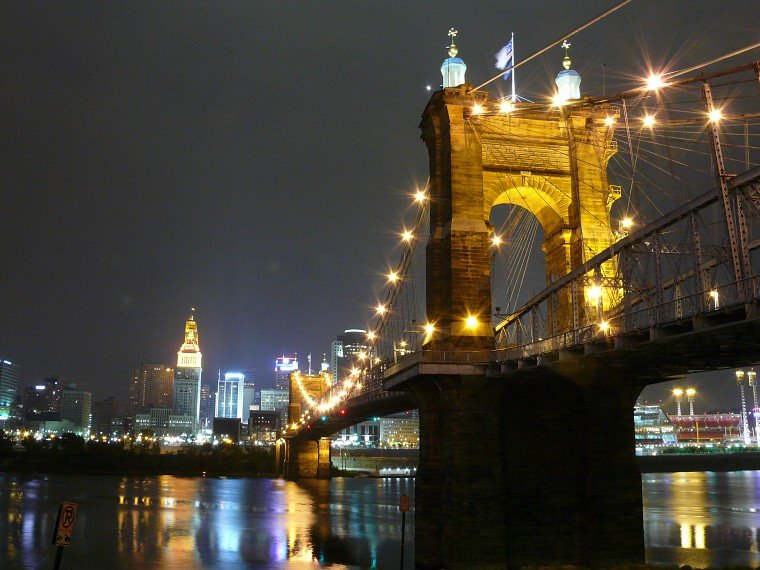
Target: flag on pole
(505, 58)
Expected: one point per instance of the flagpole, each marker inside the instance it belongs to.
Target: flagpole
(514, 97)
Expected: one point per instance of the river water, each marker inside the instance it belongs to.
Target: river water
(703, 519)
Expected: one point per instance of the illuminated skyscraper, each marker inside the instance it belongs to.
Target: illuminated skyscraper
(208, 403)
(229, 397)
(187, 375)
(9, 374)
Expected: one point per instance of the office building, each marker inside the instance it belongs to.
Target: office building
(400, 430)
(365, 434)
(76, 407)
(150, 387)
(263, 426)
(9, 376)
(187, 375)
(229, 395)
(45, 396)
(208, 404)
(276, 400)
(343, 350)
(227, 429)
(103, 414)
(249, 394)
(283, 366)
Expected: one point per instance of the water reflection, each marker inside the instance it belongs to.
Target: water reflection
(702, 519)
(158, 522)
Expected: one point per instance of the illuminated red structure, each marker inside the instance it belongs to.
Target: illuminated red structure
(707, 427)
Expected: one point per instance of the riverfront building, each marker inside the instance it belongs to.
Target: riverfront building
(400, 430)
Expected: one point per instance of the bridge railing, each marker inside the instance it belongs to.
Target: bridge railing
(669, 313)
(676, 268)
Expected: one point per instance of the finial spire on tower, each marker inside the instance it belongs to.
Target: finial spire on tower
(453, 50)
(566, 63)
(568, 81)
(453, 68)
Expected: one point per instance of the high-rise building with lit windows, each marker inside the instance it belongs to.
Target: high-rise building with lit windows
(342, 350)
(76, 407)
(229, 395)
(187, 374)
(150, 387)
(9, 374)
(283, 366)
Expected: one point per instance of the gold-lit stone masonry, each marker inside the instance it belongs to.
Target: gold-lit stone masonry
(552, 162)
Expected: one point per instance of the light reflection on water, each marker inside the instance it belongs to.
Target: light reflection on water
(701, 519)
(705, 519)
(162, 522)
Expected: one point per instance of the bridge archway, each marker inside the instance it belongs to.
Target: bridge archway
(552, 162)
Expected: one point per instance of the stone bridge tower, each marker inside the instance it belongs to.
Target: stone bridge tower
(549, 160)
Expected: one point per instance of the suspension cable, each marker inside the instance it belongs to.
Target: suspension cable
(553, 44)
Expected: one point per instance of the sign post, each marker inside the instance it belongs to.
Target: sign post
(403, 506)
(64, 528)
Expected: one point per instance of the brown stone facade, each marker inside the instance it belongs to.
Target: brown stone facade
(550, 162)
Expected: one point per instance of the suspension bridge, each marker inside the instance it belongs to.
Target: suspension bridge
(639, 216)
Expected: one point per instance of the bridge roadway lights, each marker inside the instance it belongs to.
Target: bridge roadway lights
(307, 458)
(527, 469)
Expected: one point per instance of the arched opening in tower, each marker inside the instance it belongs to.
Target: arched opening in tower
(518, 265)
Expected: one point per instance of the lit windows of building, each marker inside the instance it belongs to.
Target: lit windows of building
(276, 400)
(342, 351)
(9, 376)
(283, 366)
(229, 396)
(76, 406)
(187, 375)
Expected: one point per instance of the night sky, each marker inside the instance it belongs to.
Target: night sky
(253, 160)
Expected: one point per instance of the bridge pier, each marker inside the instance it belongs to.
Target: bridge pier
(307, 459)
(528, 470)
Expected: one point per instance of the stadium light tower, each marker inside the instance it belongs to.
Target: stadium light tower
(678, 393)
(745, 422)
(690, 392)
(752, 379)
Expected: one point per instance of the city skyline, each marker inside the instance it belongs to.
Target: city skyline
(150, 167)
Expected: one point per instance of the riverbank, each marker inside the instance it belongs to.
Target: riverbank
(104, 459)
(744, 461)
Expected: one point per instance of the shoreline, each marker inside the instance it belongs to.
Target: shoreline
(744, 461)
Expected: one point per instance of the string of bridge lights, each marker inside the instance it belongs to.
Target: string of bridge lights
(383, 310)
(396, 276)
(653, 84)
